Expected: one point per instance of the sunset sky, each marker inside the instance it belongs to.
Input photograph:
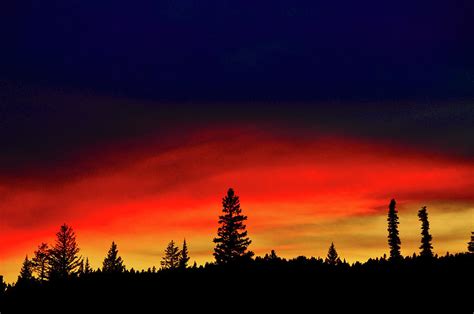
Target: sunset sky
(130, 124)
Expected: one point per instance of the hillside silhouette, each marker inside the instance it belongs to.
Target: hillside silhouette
(58, 280)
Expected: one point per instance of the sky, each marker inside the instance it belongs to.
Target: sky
(130, 122)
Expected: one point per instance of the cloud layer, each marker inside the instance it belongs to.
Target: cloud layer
(300, 192)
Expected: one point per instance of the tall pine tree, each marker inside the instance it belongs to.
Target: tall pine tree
(184, 256)
(113, 263)
(426, 237)
(40, 261)
(63, 257)
(171, 258)
(332, 257)
(393, 238)
(26, 272)
(232, 240)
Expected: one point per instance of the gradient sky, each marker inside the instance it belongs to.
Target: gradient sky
(130, 122)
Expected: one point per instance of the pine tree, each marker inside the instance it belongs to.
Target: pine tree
(184, 256)
(393, 238)
(113, 263)
(426, 237)
(171, 258)
(63, 257)
(26, 272)
(87, 267)
(332, 257)
(40, 261)
(470, 247)
(232, 241)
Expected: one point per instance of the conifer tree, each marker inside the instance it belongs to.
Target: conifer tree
(63, 257)
(171, 258)
(332, 257)
(393, 238)
(113, 263)
(426, 237)
(40, 261)
(184, 256)
(87, 267)
(26, 272)
(232, 240)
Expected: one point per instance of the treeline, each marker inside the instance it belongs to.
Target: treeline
(54, 266)
(62, 260)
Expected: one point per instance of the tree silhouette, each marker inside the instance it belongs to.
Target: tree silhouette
(470, 246)
(40, 261)
(3, 287)
(171, 258)
(184, 256)
(393, 238)
(425, 234)
(332, 257)
(113, 263)
(26, 272)
(87, 267)
(63, 257)
(232, 241)
(272, 256)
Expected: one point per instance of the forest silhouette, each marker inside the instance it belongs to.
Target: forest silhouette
(58, 279)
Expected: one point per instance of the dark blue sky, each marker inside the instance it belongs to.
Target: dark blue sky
(79, 74)
(184, 50)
